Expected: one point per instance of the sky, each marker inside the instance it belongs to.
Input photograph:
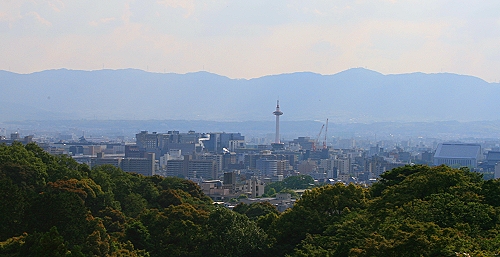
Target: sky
(249, 39)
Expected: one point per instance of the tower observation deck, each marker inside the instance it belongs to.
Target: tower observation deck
(277, 143)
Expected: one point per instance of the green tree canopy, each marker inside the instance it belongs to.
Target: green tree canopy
(255, 210)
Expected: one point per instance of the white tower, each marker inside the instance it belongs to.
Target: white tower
(277, 143)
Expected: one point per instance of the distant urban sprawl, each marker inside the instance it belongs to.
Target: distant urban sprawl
(227, 165)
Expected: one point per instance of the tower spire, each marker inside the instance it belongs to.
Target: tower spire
(277, 113)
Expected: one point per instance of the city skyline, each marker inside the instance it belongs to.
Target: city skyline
(252, 39)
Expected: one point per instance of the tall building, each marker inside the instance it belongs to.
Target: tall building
(146, 140)
(162, 143)
(202, 169)
(305, 143)
(189, 168)
(219, 141)
(176, 168)
(254, 187)
(493, 157)
(144, 166)
(217, 158)
(267, 167)
(343, 165)
(133, 151)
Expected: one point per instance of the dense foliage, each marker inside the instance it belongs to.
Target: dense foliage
(288, 185)
(53, 206)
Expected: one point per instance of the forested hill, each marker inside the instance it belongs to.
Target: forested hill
(53, 206)
(354, 95)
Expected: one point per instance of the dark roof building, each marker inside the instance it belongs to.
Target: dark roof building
(457, 155)
(493, 157)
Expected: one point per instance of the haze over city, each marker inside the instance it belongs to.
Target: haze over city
(249, 128)
(249, 39)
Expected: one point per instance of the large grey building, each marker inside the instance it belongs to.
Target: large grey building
(144, 166)
(457, 155)
(162, 143)
(190, 168)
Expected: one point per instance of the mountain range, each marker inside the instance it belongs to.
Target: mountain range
(356, 95)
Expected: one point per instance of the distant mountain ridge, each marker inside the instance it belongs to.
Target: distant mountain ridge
(354, 95)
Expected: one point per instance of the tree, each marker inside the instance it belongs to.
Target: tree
(449, 211)
(170, 197)
(298, 182)
(233, 234)
(265, 222)
(408, 237)
(490, 191)
(14, 201)
(178, 230)
(127, 250)
(133, 204)
(269, 192)
(310, 247)
(292, 182)
(187, 186)
(113, 220)
(241, 208)
(274, 187)
(97, 242)
(61, 205)
(292, 193)
(58, 166)
(318, 208)
(138, 234)
(428, 211)
(255, 210)
(44, 244)
(425, 181)
(394, 177)
(22, 166)
(12, 246)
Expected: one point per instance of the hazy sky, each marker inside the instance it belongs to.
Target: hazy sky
(246, 39)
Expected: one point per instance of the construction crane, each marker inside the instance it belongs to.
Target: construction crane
(316, 142)
(326, 132)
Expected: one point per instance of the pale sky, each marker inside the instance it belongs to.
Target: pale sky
(248, 39)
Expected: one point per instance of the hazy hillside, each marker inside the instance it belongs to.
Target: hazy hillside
(353, 95)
